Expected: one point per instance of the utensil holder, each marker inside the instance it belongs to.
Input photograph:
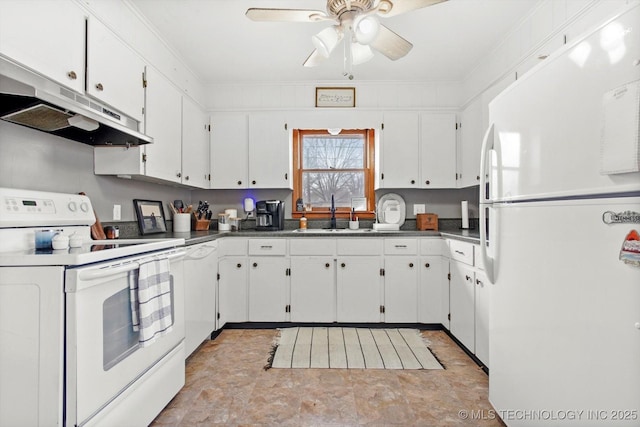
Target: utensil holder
(200, 224)
(181, 223)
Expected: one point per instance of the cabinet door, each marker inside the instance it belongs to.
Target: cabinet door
(483, 298)
(195, 145)
(433, 291)
(114, 71)
(401, 289)
(359, 284)
(267, 289)
(47, 37)
(269, 151)
(313, 289)
(438, 150)
(229, 151)
(233, 290)
(470, 145)
(462, 304)
(400, 151)
(164, 117)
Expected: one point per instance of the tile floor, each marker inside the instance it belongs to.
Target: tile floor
(226, 385)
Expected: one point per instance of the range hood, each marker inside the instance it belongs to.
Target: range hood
(28, 99)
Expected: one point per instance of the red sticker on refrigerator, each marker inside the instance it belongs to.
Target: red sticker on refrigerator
(630, 251)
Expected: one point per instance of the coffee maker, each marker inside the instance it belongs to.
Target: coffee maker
(270, 215)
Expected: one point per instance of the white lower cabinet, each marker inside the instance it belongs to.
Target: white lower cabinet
(268, 285)
(401, 289)
(462, 303)
(483, 301)
(232, 290)
(313, 289)
(433, 291)
(359, 287)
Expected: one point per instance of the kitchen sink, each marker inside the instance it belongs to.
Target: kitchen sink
(333, 230)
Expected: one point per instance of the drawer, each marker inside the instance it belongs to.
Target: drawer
(349, 246)
(461, 251)
(400, 246)
(433, 246)
(268, 247)
(305, 246)
(232, 246)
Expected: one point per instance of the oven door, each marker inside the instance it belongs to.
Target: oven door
(103, 356)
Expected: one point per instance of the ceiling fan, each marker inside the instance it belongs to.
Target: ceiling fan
(354, 21)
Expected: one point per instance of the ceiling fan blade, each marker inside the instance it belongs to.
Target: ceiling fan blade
(286, 15)
(314, 59)
(403, 6)
(391, 44)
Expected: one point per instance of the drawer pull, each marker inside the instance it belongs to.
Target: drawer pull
(427, 265)
(400, 246)
(238, 265)
(266, 247)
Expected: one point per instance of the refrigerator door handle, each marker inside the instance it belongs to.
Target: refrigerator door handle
(487, 214)
(485, 157)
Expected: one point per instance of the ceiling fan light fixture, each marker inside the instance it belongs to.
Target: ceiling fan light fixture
(360, 53)
(327, 40)
(366, 28)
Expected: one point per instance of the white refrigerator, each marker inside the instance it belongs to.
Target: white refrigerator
(560, 225)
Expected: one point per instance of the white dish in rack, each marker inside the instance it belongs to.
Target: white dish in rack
(391, 210)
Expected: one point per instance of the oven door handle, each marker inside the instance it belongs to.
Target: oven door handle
(112, 271)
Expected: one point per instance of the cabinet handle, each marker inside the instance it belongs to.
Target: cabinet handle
(427, 182)
(72, 75)
(239, 182)
(479, 282)
(238, 265)
(413, 181)
(468, 278)
(179, 174)
(343, 265)
(286, 176)
(410, 265)
(427, 265)
(100, 87)
(253, 182)
(186, 177)
(327, 265)
(400, 246)
(478, 178)
(459, 252)
(255, 264)
(266, 247)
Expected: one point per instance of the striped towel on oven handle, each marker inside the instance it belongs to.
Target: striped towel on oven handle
(150, 294)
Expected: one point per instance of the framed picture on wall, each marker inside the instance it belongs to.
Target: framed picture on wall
(336, 97)
(150, 216)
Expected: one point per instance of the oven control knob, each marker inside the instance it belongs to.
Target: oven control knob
(84, 207)
(72, 206)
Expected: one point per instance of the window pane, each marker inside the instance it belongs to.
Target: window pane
(317, 187)
(333, 152)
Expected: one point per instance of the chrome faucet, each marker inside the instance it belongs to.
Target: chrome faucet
(333, 214)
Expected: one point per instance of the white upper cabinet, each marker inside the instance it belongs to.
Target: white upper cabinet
(114, 71)
(163, 123)
(470, 145)
(269, 151)
(46, 36)
(229, 150)
(195, 145)
(400, 150)
(438, 150)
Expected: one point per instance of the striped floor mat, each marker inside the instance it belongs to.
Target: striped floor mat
(352, 348)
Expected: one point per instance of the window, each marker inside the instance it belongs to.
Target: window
(328, 165)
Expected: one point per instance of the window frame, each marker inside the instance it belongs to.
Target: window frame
(369, 175)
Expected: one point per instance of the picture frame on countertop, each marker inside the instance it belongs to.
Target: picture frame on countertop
(150, 216)
(341, 97)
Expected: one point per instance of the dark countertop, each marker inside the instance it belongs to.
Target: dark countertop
(447, 230)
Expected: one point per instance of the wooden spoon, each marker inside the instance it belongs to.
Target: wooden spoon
(97, 232)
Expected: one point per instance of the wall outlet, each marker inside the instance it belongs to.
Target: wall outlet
(117, 213)
(418, 209)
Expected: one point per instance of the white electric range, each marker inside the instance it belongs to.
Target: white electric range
(69, 354)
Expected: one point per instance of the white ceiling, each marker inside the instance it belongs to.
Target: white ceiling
(220, 44)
